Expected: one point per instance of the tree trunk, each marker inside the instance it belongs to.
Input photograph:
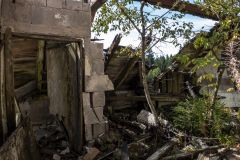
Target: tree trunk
(152, 107)
(215, 94)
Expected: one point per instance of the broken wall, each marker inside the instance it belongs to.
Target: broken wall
(96, 83)
(47, 17)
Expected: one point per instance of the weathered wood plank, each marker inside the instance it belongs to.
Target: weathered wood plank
(1, 95)
(143, 98)
(21, 144)
(164, 84)
(9, 81)
(180, 82)
(27, 88)
(170, 82)
(160, 152)
(156, 85)
(81, 77)
(125, 71)
(189, 8)
(45, 37)
(175, 84)
(190, 155)
(40, 58)
(112, 49)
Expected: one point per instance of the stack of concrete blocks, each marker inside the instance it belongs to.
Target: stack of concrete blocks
(94, 97)
(47, 17)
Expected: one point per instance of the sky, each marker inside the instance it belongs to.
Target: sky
(164, 49)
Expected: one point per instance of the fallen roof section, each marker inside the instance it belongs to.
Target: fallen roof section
(189, 8)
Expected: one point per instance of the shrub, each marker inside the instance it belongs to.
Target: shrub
(193, 115)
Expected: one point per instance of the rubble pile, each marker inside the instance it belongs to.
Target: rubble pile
(132, 137)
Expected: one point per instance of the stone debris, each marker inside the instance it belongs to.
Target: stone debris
(92, 154)
(56, 157)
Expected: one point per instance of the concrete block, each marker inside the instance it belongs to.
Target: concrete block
(40, 3)
(95, 50)
(20, 12)
(92, 115)
(60, 17)
(97, 67)
(98, 99)
(86, 7)
(55, 3)
(98, 129)
(92, 154)
(88, 66)
(74, 5)
(98, 84)
(86, 99)
(88, 132)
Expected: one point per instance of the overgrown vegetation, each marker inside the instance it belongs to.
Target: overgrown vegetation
(193, 115)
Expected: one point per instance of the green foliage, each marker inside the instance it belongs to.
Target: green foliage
(153, 73)
(160, 64)
(193, 115)
(125, 16)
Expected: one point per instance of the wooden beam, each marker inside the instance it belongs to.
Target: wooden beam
(189, 8)
(47, 37)
(164, 84)
(165, 149)
(180, 82)
(175, 84)
(24, 90)
(112, 49)
(1, 96)
(191, 155)
(156, 85)
(81, 77)
(9, 81)
(170, 82)
(40, 58)
(143, 98)
(125, 71)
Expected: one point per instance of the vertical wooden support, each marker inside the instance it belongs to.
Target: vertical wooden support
(169, 82)
(140, 71)
(164, 84)
(175, 84)
(180, 82)
(156, 85)
(81, 92)
(9, 81)
(40, 58)
(1, 96)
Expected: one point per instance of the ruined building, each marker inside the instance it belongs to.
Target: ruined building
(50, 71)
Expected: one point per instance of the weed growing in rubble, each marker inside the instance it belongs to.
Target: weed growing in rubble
(193, 115)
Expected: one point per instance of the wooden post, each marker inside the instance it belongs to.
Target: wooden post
(175, 84)
(1, 96)
(180, 82)
(169, 82)
(156, 85)
(40, 58)
(164, 85)
(9, 81)
(81, 70)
